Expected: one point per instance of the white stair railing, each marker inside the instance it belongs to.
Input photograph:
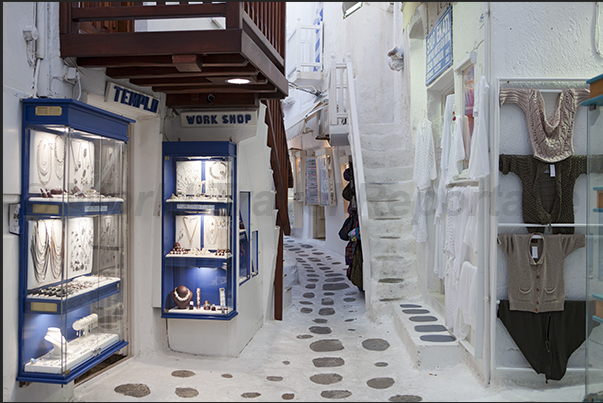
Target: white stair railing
(304, 49)
(343, 112)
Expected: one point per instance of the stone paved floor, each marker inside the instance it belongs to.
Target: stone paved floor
(325, 349)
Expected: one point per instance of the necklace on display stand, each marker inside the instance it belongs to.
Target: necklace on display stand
(188, 233)
(212, 233)
(39, 251)
(44, 166)
(77, 164)
(56, 252)
(59, 157)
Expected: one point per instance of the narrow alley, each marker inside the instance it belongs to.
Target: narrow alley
(324, 349)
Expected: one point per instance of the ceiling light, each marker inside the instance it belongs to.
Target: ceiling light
(238, 81)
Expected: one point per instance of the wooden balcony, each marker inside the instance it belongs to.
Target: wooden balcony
(186, 65)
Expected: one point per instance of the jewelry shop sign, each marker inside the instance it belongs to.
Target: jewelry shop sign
(439, 47)
(121, 95)
(218, 119)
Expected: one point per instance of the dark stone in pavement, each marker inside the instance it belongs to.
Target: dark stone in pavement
(327, 301)
(438, 338)
(305, 310)
(309, 295)
(405, 398)
(334, 287)
(326, 311)
(336, 394)
(426, 318)
(320, 329)
(375, 344)
(326, 379)
(319, 320)
(380, 383)
(415, 311)
(381, 364)
(326, 345)
(183, 374)
(288, 396)
(187, 392)
(410, 306)
(328, 362)
(274, 378)
(133, 389)
(250, 394)
(430, 328)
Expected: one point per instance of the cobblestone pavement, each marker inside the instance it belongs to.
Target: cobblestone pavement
(325, 349)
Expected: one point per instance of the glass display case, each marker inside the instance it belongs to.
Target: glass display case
(200, 244)
(594, 306)
(72, 239)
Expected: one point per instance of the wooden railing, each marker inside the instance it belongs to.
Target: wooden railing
(283, 179)
(264, 21)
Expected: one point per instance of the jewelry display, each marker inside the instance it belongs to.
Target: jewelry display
(198, 298)
(222, 299)
(40, 245)
(56, 249)
(84, 325)
(59, 344)
(44, 161)
(190, 235)
(59, 156)
(188, 178)
(216, 174)
(211, 232)
(191, 306)
(78, 285)
(80, 245)
(206, 305)
(181, 296)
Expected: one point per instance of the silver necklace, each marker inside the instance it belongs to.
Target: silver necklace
(56, 252)
(179, 298)
(76, 164)
(218, 170)
(59, 157)
(212, 233)
(43, 165)
(188, 233)
(39, 251)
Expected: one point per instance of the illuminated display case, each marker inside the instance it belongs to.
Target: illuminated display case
(72, 239)
(200, 230)
(594, 245)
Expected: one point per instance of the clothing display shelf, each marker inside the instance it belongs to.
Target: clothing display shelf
(548, 86)
(200, 262)
(594, 245)
(72, 238)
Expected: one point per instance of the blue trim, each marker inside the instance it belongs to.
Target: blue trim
(72, 303)
(78, 115)
(75, 372)
(594, 79)
(593, 101)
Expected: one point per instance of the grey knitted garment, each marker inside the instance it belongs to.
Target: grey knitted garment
(552, 140)
(536, 278)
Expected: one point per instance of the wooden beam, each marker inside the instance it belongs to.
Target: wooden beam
(207, 10)
(166, 72)
(181, 81)
(228, 101)
(214, 60)
(221, 41)
(259, 59)
(278, 279)
(187, 63)
(216, 89)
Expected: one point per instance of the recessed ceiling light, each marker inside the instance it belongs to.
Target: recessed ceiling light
(238, 81)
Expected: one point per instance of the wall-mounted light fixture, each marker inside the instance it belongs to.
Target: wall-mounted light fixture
(349, 7)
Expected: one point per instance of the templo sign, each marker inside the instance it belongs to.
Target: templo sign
(218, 119)
(439, 47)
(119, 94)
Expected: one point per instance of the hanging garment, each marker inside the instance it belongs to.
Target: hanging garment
(455, 249)
(440, 202)
(547, 340)
(547, 199)
(423, 207)
(425, 166)
(536, 273)
(471, 233)
(479, 160)
(551, 141)
(457, 152)
(467, 300)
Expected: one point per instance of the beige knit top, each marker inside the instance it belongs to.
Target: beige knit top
(552, 140)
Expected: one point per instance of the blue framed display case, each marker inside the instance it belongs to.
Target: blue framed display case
(594, 245)
(200, 230)
(72, 219)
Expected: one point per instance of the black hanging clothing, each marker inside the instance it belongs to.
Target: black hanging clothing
(547, 340)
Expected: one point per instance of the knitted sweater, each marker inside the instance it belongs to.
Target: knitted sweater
(551, 141)
(546, 199)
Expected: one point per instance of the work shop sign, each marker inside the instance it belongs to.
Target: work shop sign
(439, 47)
(120, 95)
(218, 119)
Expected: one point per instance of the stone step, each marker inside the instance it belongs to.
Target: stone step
(423, 332)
